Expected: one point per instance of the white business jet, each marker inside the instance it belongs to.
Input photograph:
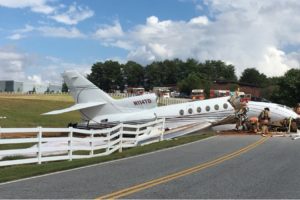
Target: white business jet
(96, 107)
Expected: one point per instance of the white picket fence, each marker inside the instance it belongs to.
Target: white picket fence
(71, 141)
(168, 101)
(161, 100)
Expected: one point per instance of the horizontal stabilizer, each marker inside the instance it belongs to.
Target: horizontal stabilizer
(78, 106)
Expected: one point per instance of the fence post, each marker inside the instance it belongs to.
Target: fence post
(40, 144)
(163, 130)
(92, 143)
(108, 141)
(121, 138)
(70, 143)
(137, 135)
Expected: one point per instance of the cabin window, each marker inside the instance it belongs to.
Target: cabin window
(216, 107)
(199, 110)
(207, 108)
(181, 112)
(190, 111)
(225, 105)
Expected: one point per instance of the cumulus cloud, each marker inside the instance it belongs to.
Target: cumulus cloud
(15, 36)
(107, 32)
(47, 31)
(55, 66)
(12, 64)
(73, 15)
(20, 66)
(39, 6)
(60, 32)
(261, 34)
(35, 79)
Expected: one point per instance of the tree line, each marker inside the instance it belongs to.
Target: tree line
(192, 74)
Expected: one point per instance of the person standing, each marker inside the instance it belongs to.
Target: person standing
(264, 120)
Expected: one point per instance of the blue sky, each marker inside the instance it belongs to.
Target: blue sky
(41, 38)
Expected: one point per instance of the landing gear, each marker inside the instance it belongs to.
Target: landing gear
(74, 125)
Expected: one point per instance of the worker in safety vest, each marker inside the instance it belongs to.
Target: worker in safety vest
(264, 120)
(254, 124)
(297, 108)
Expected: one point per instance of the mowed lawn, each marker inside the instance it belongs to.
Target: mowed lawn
(25, 111)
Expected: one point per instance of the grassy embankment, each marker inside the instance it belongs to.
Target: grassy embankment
(24, 111)
(23, 171)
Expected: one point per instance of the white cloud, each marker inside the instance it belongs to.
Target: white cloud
(262, 34)
(16, 36)
(73, 15)
(47, 31)
(19, 66)
(201, 20)
(12, 64)
(107, 32)
(55, 66)
(35, 79)
(39, 6)
(60, 32)
(26, 29)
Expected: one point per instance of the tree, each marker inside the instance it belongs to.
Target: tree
(107, 75)
(133, 74)
(218, 70)
(252, 76)
(64, 87)
(194, 81)
(287, 91)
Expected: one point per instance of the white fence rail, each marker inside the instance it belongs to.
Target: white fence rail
(168, 101)
(54, 144)
(161, 100)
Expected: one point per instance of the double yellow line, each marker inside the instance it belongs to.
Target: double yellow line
(143, 186)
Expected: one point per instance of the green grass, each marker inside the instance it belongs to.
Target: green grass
(16, 146)
(48, 97)
(13, 158)
(23, 171)
(27, 113)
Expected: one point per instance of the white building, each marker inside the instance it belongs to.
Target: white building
(26, 87)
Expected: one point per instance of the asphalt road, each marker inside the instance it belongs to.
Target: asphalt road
(270, 170)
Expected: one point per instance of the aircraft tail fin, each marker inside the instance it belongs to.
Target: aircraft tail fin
(83, 90)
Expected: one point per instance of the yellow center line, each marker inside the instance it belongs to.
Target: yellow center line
(164, 179)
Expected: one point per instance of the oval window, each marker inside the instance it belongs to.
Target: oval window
(207, 108)
(181, 112)
(190, 111)
(199, 110)
(216, 107)
(225, 106)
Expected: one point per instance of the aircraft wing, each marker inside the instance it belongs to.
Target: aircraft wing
(183, 130)
(78, 106)
(230, 119)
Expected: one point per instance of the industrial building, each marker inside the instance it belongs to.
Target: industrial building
(11, 86)
(27, 87)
